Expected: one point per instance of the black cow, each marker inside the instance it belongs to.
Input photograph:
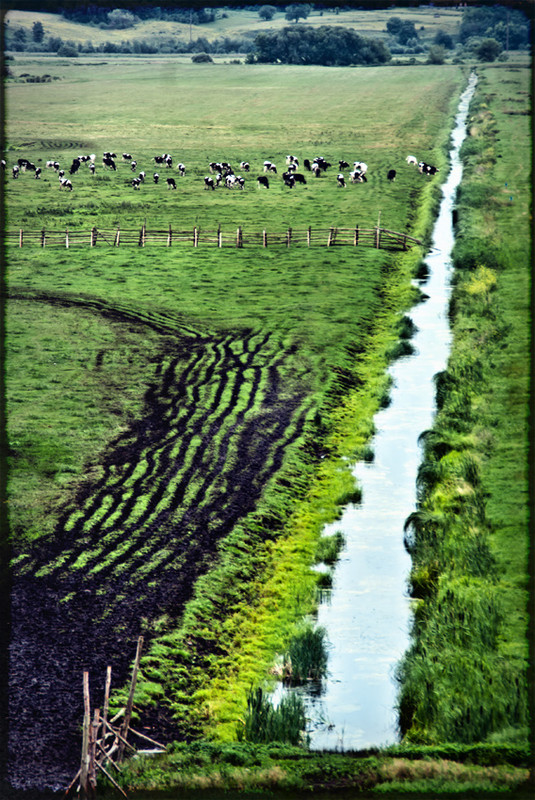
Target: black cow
(299, 178)
(263, 181)
(171, 184)
(109, 162)
(391, 176)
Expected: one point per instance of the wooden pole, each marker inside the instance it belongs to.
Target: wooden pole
(169, 236)
(106, 700)
(377, 236)
(239, 240)
(356, 239)
(195, 237)
(93, 236)
(130, 702)
(43, 238)
(309, 235)
(142, 236)
(288, 237)
(264, 239)
(331, 237)
(219, 237)
(109, 777)
(117, 237)
(84, 765)
(93, 734)
(67, 238)
(20, 238)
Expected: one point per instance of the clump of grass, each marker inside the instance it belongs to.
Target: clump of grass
(266, 723)
(329, 548)
(306, 657)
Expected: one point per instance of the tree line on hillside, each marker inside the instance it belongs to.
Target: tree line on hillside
(485, 32)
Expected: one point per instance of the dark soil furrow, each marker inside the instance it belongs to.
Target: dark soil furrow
(113, 541)
(135, 455)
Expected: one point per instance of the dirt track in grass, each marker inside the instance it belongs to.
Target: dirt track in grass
(131, 542)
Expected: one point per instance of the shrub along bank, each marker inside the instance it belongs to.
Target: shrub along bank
(464, 678)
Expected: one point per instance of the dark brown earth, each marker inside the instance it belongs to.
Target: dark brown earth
(215, 429)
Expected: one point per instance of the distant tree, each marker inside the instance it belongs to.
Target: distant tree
(509, 26)
(488, 50)
(267, 12)
(444, 39)
(297, 11)
(38, 32)
(68, 49)
(53, 43)
(436, 54)
(402, 30)
(121, 19)
(18, 41)
(327, 45)
(202, 58)
(393, 26)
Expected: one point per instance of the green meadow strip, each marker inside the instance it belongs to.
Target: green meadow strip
(464, 677)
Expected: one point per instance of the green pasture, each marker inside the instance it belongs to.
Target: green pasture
(204, 113)
(243, 22)
(323, 299)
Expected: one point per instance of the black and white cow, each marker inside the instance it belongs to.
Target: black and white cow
(209, 183)
(171, 184)
(263, 181)
(340, 180)
(427, 169)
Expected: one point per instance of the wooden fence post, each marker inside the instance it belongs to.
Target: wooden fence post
(219, 237)
(330, 240)
(67, 238)
(93, 735)
(117, 237)
(195, 237)
(130, 701)
(288, 237)
(20, 237)
(377, 237)
(264, 239)
(43, 238)
(84, 764)
(239, 238)
(356, 239)
(93, 237)
(142, 236)
(106, 700)
(309, 235)
(169, 236)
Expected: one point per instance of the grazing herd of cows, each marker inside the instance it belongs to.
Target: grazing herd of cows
(221, 173)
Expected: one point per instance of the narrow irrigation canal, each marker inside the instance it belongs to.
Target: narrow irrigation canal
(367, 613)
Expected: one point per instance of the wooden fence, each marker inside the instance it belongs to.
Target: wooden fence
(104, 741)
(172, 237)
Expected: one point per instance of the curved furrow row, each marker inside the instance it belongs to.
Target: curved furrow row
(79, 521)
(74, 521)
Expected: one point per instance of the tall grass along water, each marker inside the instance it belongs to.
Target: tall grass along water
(367, 613)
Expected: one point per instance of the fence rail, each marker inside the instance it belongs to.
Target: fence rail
(172, 237)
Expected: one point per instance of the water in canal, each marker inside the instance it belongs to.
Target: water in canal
(367, 613)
